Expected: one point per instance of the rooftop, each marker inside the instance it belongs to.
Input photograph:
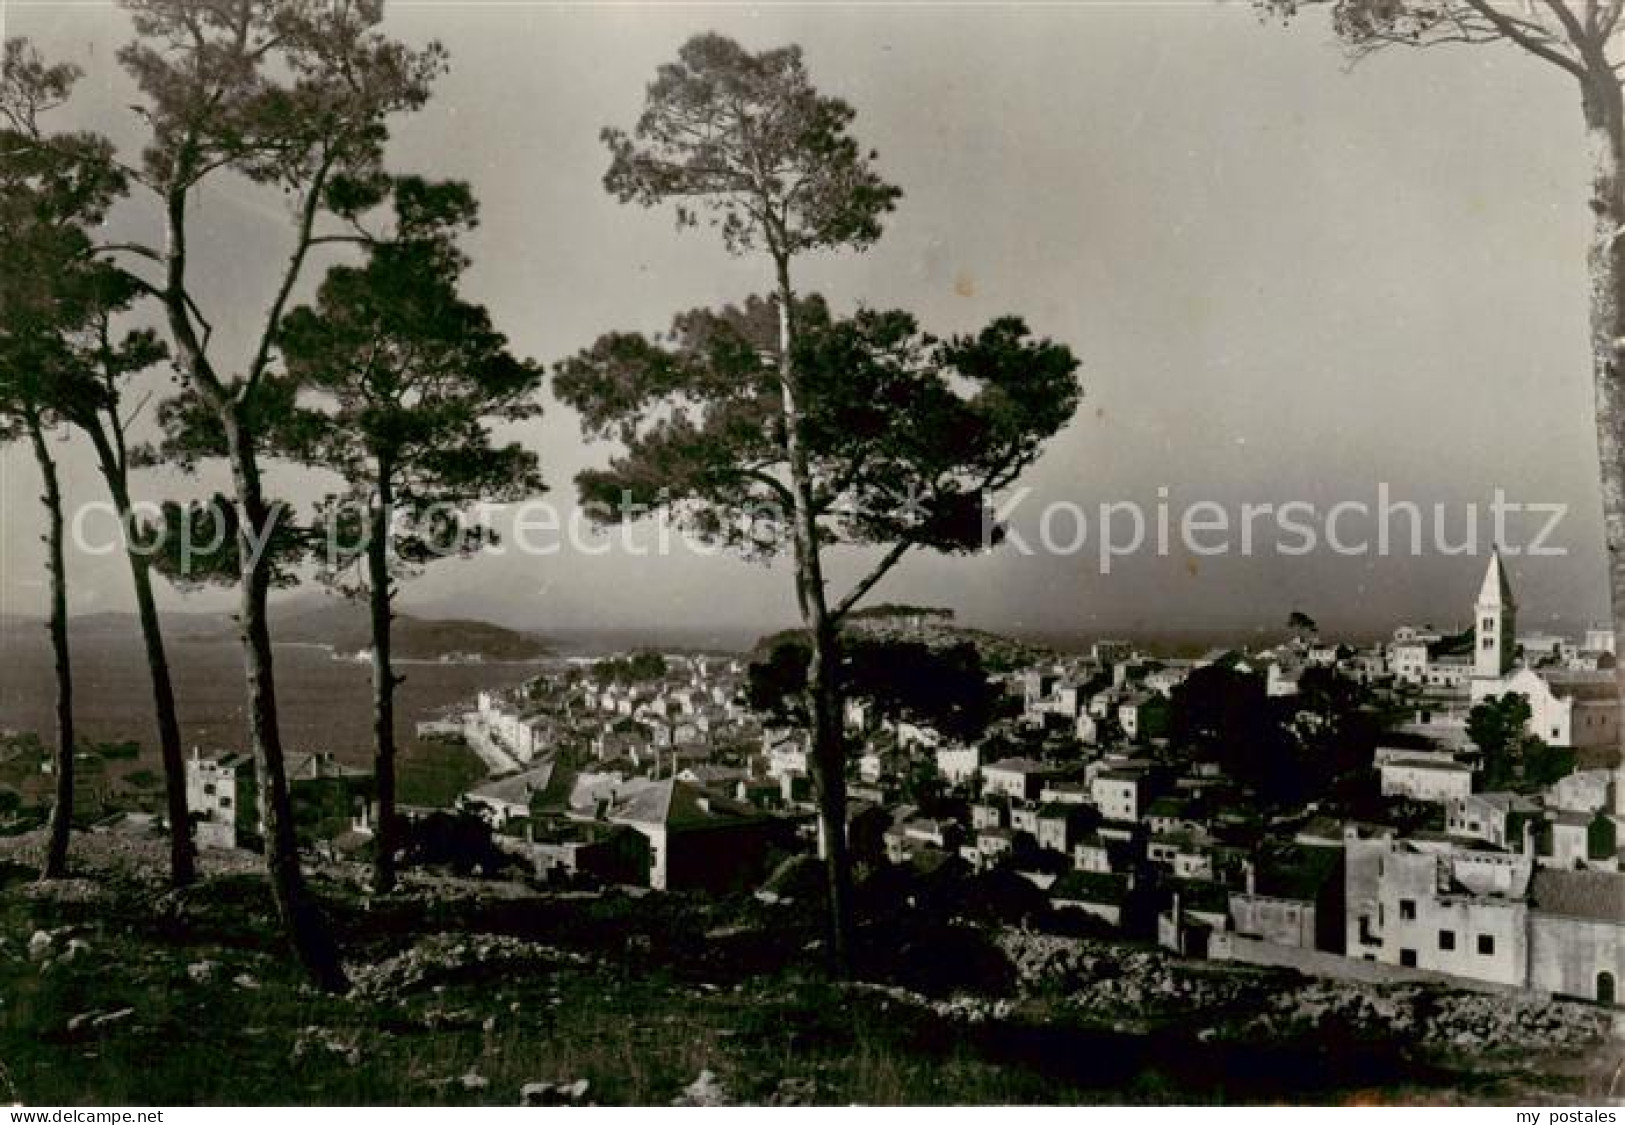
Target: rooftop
(516, 789)
(1598, 895)
(1447, 765)
(678, 804)
(1018, 765)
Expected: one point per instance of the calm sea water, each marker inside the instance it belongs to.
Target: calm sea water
(324, 704)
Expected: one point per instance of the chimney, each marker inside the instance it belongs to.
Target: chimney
(1251, 873)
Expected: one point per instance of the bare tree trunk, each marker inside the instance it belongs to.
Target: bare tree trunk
(301, 919)
(306, 928)
(823, 691)
(182, 853)
(56, 847)
(379, 598)
(829, 769)
(1605, 260)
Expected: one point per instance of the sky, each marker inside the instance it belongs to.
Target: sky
(1287, 280)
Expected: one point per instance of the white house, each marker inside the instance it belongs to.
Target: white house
(1021, 779)
(1462, 913)
(1494, 818)
(958, 763)
(1409, 661)
(1119, 793)
(787, 753)
(220, 795)
(1426, 777)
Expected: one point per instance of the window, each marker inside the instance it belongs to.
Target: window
(1407, 958)
(1486, 945)
(1407, 910)
(1447, 939)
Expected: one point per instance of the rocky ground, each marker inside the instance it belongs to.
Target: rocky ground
(1236, 1003)
(114, 990)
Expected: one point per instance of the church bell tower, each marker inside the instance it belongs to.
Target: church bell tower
(1494, 623)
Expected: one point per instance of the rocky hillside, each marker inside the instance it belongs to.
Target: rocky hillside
(493, 993)
(933, 626)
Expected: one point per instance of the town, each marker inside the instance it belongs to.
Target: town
(1470, 834)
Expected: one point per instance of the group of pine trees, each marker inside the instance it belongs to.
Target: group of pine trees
(828, 430)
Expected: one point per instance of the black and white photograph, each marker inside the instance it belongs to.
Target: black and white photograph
(811, 554)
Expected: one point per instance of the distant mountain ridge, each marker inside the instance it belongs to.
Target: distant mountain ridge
(339, 624)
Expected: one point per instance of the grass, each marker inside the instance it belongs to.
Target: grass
(434, 772)
(638, 1037)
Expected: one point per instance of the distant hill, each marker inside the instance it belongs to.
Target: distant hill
(345, 626)
(929, 625)
(338, 623)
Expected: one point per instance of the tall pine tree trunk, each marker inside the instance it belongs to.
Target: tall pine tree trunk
(182, 853)
(823, 692)
(829, 767)
(306, 928)
(301, 919)
(1605, 260)
(383, 683)
(56, 846)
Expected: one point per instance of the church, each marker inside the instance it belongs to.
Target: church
(1570, 707)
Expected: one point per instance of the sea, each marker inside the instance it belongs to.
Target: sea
(324, 704)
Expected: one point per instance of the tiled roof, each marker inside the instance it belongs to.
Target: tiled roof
(1017, 765)
(516, 790)
(1598, 895)
(1427, 764)
(1121, 773)
(677, 804)
(303, 766)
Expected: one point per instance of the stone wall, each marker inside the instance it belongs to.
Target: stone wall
(1252, 951)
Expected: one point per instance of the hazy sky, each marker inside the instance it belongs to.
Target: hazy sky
(1286, 281)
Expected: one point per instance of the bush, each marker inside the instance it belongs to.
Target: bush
(461, 841)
